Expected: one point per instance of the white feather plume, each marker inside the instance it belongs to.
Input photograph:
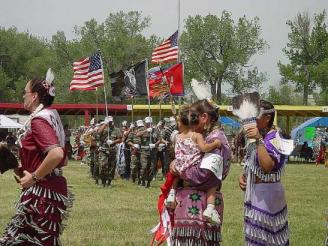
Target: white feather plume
(201, 90)
(50, 76)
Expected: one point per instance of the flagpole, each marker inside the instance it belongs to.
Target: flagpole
(132, 102)
(179, 46)
(105, 92)
(160, 108)
(97, 104)
(178, 31)
(147, 83)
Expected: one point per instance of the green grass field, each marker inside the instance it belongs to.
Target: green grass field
(123, 214)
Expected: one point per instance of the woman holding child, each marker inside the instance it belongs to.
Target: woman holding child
(198, 212)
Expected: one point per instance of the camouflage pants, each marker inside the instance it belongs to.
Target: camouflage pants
(163, 157)
(127, 157)
(92, 159)
(96, 166)
(147, 164)
(135, 165)
(107, 164)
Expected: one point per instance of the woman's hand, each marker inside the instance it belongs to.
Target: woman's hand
(242, 182)
(253, 132)
(27, 180)
(217, 142)
(173, 169)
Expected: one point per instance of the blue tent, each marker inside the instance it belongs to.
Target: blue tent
(298, 132)
(228, 121)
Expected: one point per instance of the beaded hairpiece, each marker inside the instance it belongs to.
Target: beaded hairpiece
(267, 111)
(48, 83)
(212, 103)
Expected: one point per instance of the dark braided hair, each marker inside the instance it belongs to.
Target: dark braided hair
(38, 87)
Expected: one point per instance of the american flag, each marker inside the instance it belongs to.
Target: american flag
(167, 51)
(88, 73)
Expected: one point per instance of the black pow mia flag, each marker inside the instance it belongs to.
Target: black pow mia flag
(130, 82)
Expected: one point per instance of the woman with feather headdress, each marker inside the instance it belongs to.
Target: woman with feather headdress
(265, 207)
(45, 199)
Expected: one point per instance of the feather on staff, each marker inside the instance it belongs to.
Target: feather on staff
(247, 108)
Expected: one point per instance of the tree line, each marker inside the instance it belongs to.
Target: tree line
(215, 49)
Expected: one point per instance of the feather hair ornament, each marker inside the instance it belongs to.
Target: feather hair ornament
(50, 77)
(203, 91)
(48, 82)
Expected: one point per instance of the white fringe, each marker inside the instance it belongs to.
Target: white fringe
(262, 236)
(263, 219)
(20, 220)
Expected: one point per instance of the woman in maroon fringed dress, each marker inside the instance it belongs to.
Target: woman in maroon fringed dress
(45, 199)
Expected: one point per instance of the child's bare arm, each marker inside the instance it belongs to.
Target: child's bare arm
(204, 147)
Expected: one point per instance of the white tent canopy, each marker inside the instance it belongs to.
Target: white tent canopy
(8, 123)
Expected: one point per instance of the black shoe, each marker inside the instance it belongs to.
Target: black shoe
(148, 184)
(109, 183)
(133, 180)
(96, 181)
(143, 183)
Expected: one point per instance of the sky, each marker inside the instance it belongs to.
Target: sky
(43, 18)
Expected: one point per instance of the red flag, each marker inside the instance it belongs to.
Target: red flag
(162, 231)
(158, 85)
(166, 51)
(167, 81)
(88, 73)
(174, 77)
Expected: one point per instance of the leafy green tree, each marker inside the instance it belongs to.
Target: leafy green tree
(217, 50)
(283, 95)
(307, 51)
(119, 39)
(22, 57)
(6, 91)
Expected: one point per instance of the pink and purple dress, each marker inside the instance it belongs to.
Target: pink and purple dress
(187, 154)
(265, 208)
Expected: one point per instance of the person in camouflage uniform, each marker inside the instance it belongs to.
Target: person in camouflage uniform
(126, 131)
(162, 154)
(169, 129)
(109, 136)
(147, 152)
(134, 143)
(93, 156)
(96, 166)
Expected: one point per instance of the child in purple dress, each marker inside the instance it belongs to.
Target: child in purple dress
(189, 146)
